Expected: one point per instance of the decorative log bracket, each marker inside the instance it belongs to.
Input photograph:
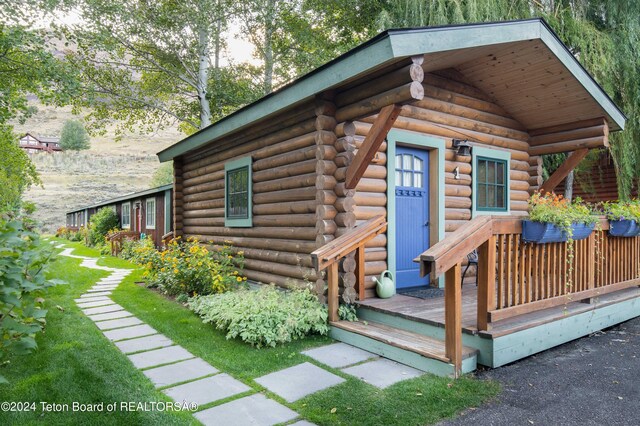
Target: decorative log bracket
(371, 144)
(563, 171)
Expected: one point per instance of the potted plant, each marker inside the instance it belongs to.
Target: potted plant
(624, 217)
(554, 219)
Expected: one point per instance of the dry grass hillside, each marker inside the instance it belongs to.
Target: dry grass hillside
(107, 170)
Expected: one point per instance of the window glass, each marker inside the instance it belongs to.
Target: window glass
(491, 184)
(150, 221)
(238, 193)
(126, 215)
(417, 180)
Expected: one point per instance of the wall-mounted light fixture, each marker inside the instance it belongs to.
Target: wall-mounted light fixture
(463, 147)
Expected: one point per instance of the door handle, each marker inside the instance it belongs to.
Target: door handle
(426, 223)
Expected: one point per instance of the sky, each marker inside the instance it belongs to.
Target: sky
(238, 50)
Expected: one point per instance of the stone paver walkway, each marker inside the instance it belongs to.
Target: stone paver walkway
(188, 379)
(182, 376)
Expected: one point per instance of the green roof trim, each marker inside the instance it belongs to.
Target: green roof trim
(125, 197)
(389, 46)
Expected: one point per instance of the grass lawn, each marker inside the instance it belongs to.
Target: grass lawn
(75, 362)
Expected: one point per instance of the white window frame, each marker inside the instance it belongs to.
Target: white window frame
(128, 216)
(149, 201)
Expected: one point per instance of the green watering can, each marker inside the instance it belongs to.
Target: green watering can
(385, 287)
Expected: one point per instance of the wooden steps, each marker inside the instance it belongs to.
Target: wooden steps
(419, 344)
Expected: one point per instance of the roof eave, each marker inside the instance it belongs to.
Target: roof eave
(124, 198)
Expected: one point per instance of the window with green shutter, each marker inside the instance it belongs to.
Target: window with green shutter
(491, 184)
(238, 185)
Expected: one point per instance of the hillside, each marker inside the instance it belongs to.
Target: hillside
(107, 170)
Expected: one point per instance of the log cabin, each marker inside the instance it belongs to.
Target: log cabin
(146, 212)
(406, 154)
(598, 181)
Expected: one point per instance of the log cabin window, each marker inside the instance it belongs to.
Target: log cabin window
(490, 181)
(126, 216)
(491, 184)
(150, 221)
(238, 193)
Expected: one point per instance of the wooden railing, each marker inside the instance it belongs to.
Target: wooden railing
(516, 278)
(117, 238)
(530, 277)
(446, 256)
(329, 255)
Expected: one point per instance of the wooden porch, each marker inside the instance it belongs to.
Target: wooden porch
(432, 311)
(529, 298)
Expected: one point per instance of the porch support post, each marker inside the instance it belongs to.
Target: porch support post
(375, 137)
(453, 318)
(565, 168)
(486, 282)
(332, 282)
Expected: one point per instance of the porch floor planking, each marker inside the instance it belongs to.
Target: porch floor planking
(431, 311)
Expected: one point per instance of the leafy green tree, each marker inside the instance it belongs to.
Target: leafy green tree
(163, 175)
(17, 172)
(604, 34)
(74, 137)
(147, 64)
(23, 265)
(102, 222)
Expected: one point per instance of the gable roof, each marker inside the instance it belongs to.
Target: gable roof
(391, 46)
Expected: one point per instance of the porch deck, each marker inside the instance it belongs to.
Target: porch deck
(432, 311)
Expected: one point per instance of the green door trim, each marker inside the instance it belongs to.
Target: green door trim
(436, 171)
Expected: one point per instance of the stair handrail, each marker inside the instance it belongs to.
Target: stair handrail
(446, 253)
(329, 255)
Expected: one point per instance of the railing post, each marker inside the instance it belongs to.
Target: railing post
(360, 271)
(332, 282)
(453, 318)
(486, 282)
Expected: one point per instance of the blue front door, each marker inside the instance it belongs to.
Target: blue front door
(412, 214)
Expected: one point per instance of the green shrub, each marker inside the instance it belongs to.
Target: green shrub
(264, 317)
(23, 264)
(187, 267)
(101, 223)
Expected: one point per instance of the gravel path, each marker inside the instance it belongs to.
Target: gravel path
(591, 381)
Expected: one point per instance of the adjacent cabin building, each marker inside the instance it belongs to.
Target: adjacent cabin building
(598, 181)
(34, 143)
(405, 154)
(146, 212)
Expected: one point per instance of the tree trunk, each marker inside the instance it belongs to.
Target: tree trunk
(568, 186)
(203, 75)
(268, 46)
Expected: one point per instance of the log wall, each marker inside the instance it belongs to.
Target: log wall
(290, 161)
(451, 108)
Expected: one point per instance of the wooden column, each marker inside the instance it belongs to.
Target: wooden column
(486, 282)
(453, 318)
(325, 182)
(333, 291)
(177, 197)
(345, 205)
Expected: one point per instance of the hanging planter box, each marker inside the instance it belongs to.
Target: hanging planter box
(624, 228)
(541, 233)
